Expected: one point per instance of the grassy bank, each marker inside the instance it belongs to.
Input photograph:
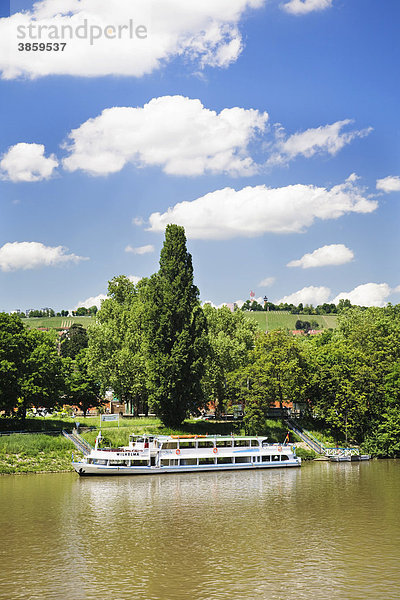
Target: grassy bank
(34, 453)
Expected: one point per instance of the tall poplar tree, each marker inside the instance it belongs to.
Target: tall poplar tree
(176, 340)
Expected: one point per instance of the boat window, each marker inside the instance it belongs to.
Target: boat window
(138, 463)
(284, 457)
(188, 461)
(165, 462)
(242, 459)
(224, 460)
(170, 445)
(239, 443)
(254, 443)
(118, 463)
(275, 457)
(99, 461)
(205, 444)
(224, 443)
(206, 461)
(187, 444)
(266, 458)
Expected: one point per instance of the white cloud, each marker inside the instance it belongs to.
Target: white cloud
(92, 301)
(334, 254)
(396, 289)
(97, 300)
(253, 211)
(141, 249)
(368, 294)
(138, 221)
(308, 295)
(389, 184)
(206, 32)
(134, 278)
(302, 7)
(175, 133)
(183, 137)
(327, 138)
(267, 282)
(27, 162)
(230, 305)
(32, 255)
(239, 303)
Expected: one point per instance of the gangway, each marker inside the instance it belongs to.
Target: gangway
(79, 442)
(307, 437)
(318, 446)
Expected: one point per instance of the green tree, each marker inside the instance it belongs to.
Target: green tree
(73, 341)
(384, 436)
(83, 388)
(13, 353)
(277, 373)
(116, 355)
(342, 388)
(41, 379)
(350, 370)
(175, 333)
(231, 339)
(30, 367)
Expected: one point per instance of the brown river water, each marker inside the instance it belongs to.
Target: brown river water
(323, 532)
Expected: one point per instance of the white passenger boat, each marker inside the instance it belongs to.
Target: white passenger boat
(147, 454)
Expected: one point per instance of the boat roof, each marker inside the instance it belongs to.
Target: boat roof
(189, 437)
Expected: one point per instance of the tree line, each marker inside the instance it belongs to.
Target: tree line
(82, 311)
(160, 350)
(299, 309)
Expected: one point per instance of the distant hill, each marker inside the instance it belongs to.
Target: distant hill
(265, 320)
(56, 322)
(285, 320)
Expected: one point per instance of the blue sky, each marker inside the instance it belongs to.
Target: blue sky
(269, 129)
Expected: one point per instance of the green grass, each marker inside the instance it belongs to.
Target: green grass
(56, 322)
(32, 444)
(285, 320)
(35, 453)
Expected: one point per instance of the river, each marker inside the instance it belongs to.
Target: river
(323, 532)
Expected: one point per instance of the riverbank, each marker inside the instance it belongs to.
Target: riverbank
(35, 453)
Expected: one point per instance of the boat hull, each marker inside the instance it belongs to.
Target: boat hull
(85, 469)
